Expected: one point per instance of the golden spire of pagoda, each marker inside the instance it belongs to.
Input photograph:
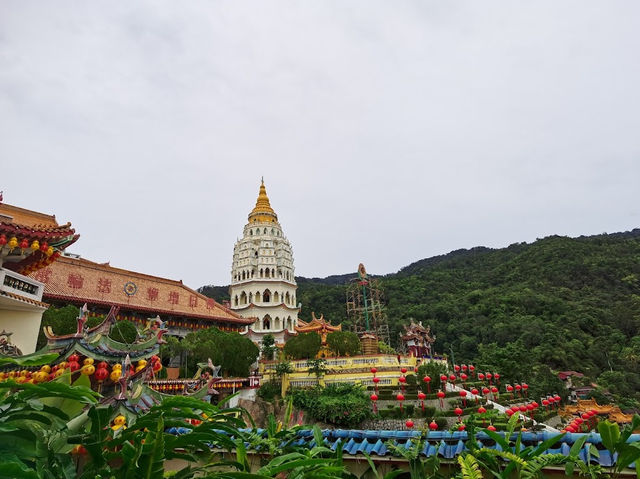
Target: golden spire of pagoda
(263, 212)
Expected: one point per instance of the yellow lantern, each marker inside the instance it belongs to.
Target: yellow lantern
(24, 373)
(3, 376)
(59, 372)
(49, 250)
(142, 363)
(117, 367)
(88, 369)
(62, 365)
(21, 379)
(35, 246)
(13, 242)
(119, 422)
(88, 361)
(115, 374)
(46, 368)
(40, 377)
(12, 374)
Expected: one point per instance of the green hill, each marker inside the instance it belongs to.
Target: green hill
(565, 303)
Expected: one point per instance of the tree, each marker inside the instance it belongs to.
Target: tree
(124, 331)
(268, 346)
(63, 320)
(434, 370)
(303, 346)
(343, 343)
(234, 353)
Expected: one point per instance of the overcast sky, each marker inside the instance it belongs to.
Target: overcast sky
(386, 131)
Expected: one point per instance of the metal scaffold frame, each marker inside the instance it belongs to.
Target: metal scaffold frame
(365, 307)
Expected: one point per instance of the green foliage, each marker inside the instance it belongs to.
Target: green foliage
(282, 368)
(233, 352)
(616, 443)
(564, 303)
(269, 390)
(434, 370)
(62, 321)
(317, 367)
(340, 404)
(343, 343)
(124, 331)
(269, 347)
(384, 348)
(303, 346)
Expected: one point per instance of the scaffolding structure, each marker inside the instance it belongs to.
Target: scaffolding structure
(365, 307)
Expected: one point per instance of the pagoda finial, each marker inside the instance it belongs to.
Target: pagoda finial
(263, 212)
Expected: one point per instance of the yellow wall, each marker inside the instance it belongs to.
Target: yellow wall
(25, 326)
(354, 369)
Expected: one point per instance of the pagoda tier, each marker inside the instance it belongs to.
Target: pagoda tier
(30, 240)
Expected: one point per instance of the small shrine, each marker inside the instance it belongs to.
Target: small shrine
(319, 326)
(417, 340)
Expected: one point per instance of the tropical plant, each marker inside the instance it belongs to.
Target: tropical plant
(269, 347)
(35, 422)
(419, 468)
(512, 459)
(616, 443)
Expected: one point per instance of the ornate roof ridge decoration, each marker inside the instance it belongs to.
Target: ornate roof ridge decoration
(418, 331)
(96, 343)
(316, 324)
(262, 211)
(30, 240)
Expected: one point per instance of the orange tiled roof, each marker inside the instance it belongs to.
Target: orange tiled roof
(80, 280)
(28, 218)
(24, 299)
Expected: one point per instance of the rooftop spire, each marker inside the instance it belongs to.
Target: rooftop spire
(263, 212)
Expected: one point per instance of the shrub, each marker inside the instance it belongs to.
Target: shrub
(339, 404)
(269, 390)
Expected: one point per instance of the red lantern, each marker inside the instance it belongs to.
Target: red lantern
(422, 396)
(402, 379)
(44, 247)
(443, 378)
(403, 370)
(461, 426)
(73, 366)
(374, 397)
(474, 391)
(463, 395)
(374, 370)
(464, 367)
(102, 365)
(456, 368)
(441, 397)
(463, 376)
(545, 403)
(24, 244)
(376, 380)
(481, 376)
(485, 391)
(427, 380)
(409, 423)
(481, 410)
(472, 367)
(496, 376)
(458, 411)
(101, 374)
(523, 408)
(509, 412)
(3, 240)
(433, 425)
(491, 427)
(73, 357)
(415, 370)
(157, 366)
(452, 378)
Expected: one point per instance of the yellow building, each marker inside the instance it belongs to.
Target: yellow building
(354, 370)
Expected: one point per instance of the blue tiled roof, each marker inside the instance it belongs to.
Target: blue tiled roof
(446, 444)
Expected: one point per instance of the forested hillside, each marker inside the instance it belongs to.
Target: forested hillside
(565, 303)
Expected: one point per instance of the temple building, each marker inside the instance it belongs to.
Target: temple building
(74, 280)
(319, 326)
(263, 286)
(418, 340)
(29, 241)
